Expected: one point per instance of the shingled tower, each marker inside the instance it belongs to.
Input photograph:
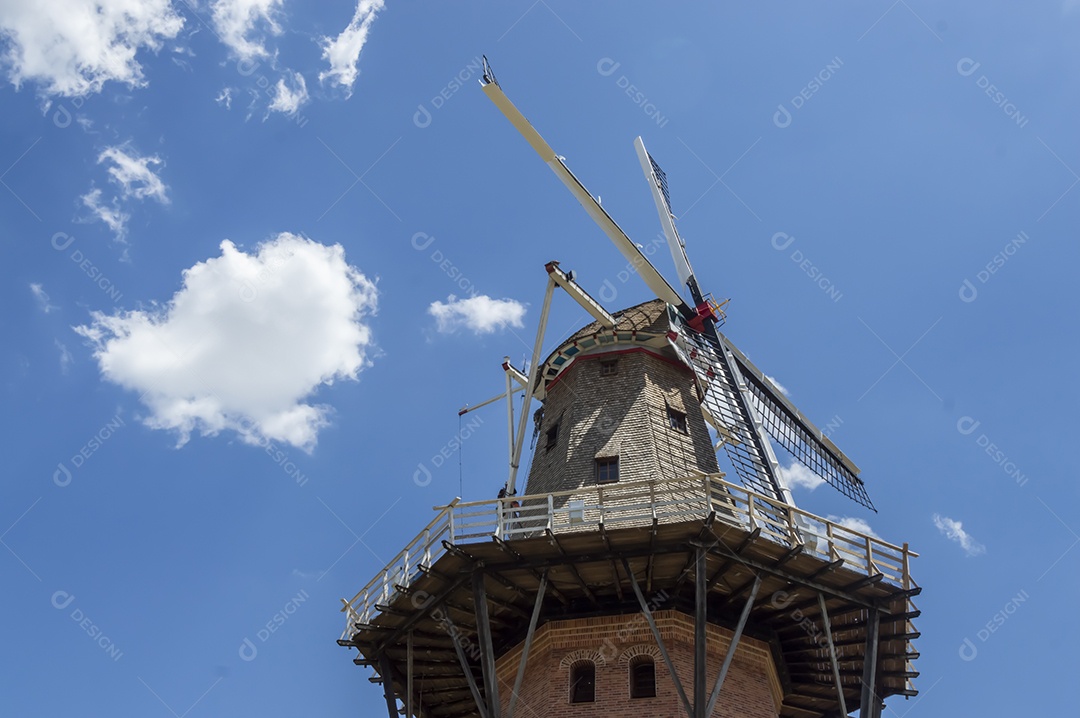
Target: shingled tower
(631, 578)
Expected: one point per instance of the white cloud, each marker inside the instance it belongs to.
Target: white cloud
(134, 177)
(853, 523)
(481, 314)
(66, 359)
(244, 343)
(73, 47)
(778, 385)
(954, 531)
(225, 98)
(241, 23)
(289, 99)
(42, 298)
(797, 476)
(111, 214)
(133, 174)
(343, 51)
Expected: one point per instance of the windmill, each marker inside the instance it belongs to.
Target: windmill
(738, 400)
(630, 577)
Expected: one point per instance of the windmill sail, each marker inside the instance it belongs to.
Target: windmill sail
(793, 431)
(729, 411)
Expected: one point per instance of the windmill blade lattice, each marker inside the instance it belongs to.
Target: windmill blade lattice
(729, 415)
(800, 438)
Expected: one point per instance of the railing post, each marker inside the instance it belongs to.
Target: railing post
(905, 569)
(833, 553)
(450, 515)
(386, 586)
(551, 513)
(427, 547)
(750, 509)
(499, 518)
(869, 556)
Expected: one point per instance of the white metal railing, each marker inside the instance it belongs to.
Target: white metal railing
(636, 503)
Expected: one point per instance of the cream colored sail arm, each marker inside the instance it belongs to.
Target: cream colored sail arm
(653, 278)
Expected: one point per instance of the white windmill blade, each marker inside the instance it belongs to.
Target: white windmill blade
(648, 272)
(789, 428)
(658, 186)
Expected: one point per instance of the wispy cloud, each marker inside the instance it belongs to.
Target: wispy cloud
(481, 314)
(66, 359)
(42, 298)
(343, 51)
(798, 476)
(954, 531)
(854, 523)
(778, 385)
(134, 178)
(243, 25)
(289, 97)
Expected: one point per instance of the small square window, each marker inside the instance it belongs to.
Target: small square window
(609, 367)
(676, 420)
(607, 470)
(552, 437)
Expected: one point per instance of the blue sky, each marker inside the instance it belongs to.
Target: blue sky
(204, 439)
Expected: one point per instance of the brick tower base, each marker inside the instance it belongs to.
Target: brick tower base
(752, 688)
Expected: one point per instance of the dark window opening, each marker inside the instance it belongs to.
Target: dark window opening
(583, 682)
(552, 437)
(609, 367)
(607, 470)
(676, 420)
(642, 677)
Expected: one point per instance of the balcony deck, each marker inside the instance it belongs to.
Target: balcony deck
(580, 538)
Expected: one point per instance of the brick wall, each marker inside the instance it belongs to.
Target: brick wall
(624, 415)
(751, 689)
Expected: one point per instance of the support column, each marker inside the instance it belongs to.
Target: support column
(700, 614)
(659, 640)
(731, 649)
(832, 655)
(870, 705)
(387, 672)
(409, 676)
(481, 707)
(528, 644)
(487, 650)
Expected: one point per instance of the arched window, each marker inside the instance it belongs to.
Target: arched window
(583, 682)
(642, 677)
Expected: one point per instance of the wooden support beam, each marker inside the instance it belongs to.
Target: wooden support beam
(659, 639)
(409, 687)
(421, 613)
(825, 569)
(573, 568)
(731, 648)
(726, 566)
(519, 559)
(832, 656)
(700, 605)
(652, 553)
(487, 649)
(870, 704)
(386, 670)
(466, 669)
(528, 645)
(615, 579)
